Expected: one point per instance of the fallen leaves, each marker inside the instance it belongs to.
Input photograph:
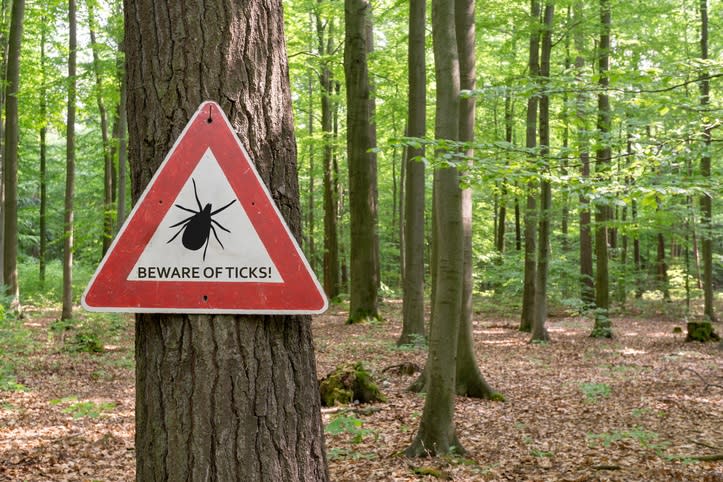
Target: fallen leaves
(642, 406)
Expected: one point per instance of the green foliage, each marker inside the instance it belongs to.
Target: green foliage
(349, 383)
(339, 453)
(646, 439)
(593, 391)
(82, 409)
(88, 334)
(15, 343)
(344, 424)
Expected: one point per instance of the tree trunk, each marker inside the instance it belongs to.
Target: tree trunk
(43, 221)
(331, 240)
(502, 218)
(603, 327)
(413, 302)
(67, 312)
(10, 157)
(662, 268)
(587, 285)
(706, 200)
(107, 159)
(468, 379)
(518, 229)
(220, 397)
(437, 434)
(539, 332)
(528, 288)
(3, 96)
(122, 149)
(311, 204)
(362, 175)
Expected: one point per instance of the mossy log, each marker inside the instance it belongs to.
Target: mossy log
(347, 384)
(701, 331)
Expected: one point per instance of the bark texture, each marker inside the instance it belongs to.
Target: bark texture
(331, 239)
(362, 166)
(587, 285)
(67, 312)
(437, 434)
(539, 332)
(220, 397)
(468, 379)
(603, 326)
(706, 201)
(530, 217)
(413, 308)
(10, 157)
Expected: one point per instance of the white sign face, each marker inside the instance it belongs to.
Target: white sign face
(206, 236)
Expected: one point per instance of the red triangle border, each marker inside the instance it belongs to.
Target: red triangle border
(110, 290)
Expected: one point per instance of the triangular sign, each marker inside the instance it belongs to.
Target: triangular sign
(205, 237)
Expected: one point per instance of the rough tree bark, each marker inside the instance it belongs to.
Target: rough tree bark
(587, 285)
(362, 191)
(43, 208)
(539, 332)
(67, 311)
(413, 303)
(530, 218)
(468, 379)
(220, 397)
(706, 201)
(122, 142)
(108, 168)
(331, 239)
(603, 326)
(10, 156)
(437, 434)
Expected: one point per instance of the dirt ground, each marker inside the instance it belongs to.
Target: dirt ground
(644, 406)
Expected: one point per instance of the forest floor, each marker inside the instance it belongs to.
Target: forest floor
(643, 406)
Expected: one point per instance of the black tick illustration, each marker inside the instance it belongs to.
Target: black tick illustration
(197, 228)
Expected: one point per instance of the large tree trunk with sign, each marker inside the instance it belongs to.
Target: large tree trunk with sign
(220, 397)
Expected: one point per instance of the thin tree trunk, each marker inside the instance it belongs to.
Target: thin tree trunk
(662, 266)
(67, 311)
(468, 379)
(502, 218)
(331, 203)
(518, 227)
(3, 96)
(413, 302)
(362, 166)
(122, 149)
(587, 285)
(528, 288)
(437, 434)
(108, 209)
(706, 200)
(43, 234)
(220, 397)
(10, 157)
(603, 327)
(539, 332)
(311, 204)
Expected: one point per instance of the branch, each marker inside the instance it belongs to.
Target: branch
(707, 384)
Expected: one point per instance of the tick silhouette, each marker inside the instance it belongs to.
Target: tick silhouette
(197, 229)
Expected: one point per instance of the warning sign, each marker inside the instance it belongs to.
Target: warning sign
(205, 237)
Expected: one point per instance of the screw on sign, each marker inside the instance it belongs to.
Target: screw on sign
(197, 229)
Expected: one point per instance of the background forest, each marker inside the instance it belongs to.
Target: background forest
(551, 162)
(652, 186)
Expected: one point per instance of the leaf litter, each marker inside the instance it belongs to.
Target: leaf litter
(643, 406)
